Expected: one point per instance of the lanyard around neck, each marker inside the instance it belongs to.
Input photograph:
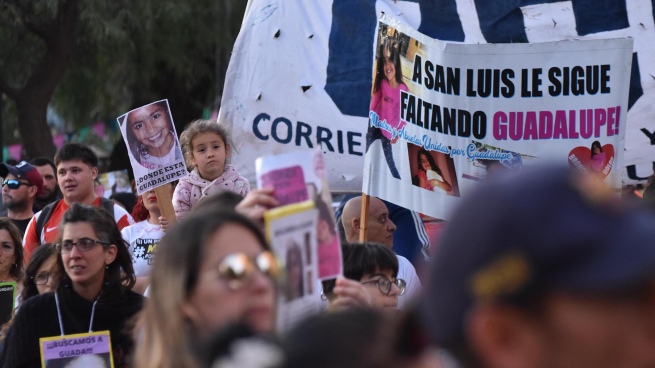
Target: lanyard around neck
(61, 321)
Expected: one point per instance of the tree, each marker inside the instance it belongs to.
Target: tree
(33, 22)
(95, 59)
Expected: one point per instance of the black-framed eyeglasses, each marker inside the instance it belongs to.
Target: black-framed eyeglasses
(14, 184)
(384, 285)
(83, 245)
(41, 279)
(237, 269)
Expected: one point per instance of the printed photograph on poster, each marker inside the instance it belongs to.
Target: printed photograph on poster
(432, 171)
(301, 176)
(153, 145)
(597, 159)
(91, 349)
(113, 182)
(490, 160)
(291, 231)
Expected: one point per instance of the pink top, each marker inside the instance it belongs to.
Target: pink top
(597, 161)
(386, 103)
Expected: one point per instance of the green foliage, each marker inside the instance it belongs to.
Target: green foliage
(125, 52)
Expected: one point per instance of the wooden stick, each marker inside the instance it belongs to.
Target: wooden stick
(363, 219)
(165, 202)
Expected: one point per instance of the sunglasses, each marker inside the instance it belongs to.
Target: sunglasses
(237, 269)
(14, 184)
(82, 244)
(384, 285)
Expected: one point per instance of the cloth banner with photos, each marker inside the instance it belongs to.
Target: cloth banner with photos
(446, 116)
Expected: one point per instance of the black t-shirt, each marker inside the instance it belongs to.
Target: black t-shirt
(21, 225)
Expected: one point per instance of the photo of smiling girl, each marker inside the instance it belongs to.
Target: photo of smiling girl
(151, 135)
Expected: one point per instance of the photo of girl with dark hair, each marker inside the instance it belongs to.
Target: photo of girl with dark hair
(429, 174)
(151, 136)
(597, 157)
(385, 101)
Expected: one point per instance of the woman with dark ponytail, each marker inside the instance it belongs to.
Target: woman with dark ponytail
(94, 293)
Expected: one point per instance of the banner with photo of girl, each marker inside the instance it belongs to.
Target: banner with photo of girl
(443, 116)
(153, 146)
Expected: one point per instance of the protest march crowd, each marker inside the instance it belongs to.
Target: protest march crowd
(539, 267)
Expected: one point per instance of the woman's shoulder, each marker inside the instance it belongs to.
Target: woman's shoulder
(35, 306)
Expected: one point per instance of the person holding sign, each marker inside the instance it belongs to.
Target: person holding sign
(385, 102)
(206, 149)
(213, 268)
(94, 294)
(151, 135)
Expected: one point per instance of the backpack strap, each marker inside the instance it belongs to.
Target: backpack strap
(46, 212)
(108, 205)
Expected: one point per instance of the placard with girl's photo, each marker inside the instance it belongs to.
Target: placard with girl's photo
(153, 145)
(291, 231)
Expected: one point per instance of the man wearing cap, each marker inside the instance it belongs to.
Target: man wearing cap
(545, 268)
(380, 230)
(19, 188)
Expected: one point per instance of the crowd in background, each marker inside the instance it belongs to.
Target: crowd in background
(538, 268)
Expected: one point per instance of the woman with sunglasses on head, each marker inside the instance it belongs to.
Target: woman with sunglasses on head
(95, 276)
(213, 268)
(373, 268)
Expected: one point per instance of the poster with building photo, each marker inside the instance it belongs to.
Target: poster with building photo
(153, 146)
(300, 176)
(291, 231)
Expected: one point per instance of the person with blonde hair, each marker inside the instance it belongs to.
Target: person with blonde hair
(213, 268)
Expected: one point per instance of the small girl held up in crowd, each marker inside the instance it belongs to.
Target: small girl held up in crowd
(206, 148)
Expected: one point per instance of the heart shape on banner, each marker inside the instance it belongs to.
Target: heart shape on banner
(580, 158)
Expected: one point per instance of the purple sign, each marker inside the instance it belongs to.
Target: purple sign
(75, 347)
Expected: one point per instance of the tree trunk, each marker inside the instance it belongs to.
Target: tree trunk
(33, 98)
(33, 126)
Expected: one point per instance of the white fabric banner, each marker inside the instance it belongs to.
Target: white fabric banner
(443, 116)
(300, 73)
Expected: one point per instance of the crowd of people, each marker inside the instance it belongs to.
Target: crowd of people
(536, 268)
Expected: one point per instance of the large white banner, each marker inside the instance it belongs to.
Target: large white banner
(300, 73)
(444, 116)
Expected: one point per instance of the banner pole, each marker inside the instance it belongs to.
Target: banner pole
(165, 202)
(363, 219)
